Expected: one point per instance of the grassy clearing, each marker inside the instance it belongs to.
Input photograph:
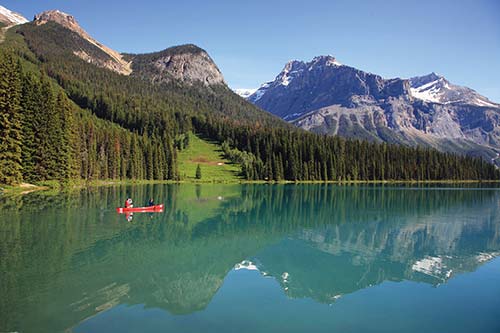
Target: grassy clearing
(23, 188)
(214, 167)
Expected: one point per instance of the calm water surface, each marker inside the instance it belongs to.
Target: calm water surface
(253, 258)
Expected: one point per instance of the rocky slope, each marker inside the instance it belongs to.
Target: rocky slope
(185, 63)
(115, 61)
(10, 18)
(327, 97)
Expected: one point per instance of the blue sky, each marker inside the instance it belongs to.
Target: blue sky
(252, 40)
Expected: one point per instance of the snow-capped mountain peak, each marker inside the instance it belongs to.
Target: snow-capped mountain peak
(429, 88)
(435, 88)
(10, 18)
(245, 92)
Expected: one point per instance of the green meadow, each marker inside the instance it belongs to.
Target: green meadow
(214, 167)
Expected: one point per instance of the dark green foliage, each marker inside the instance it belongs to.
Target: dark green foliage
(198, 172)
(31, 109)
(10, 120)
(62, 142)
(50, 43)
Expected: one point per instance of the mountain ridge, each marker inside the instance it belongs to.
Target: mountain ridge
(187, 63)
(327, 97)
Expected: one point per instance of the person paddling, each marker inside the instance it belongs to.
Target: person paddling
(151, 202)
(129, 203)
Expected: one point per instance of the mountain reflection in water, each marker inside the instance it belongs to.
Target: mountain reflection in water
(69, 257)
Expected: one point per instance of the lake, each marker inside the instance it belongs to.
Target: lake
(253, 258)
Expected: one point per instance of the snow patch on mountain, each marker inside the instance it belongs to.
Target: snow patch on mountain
(258, 95)
(245, 92)
(434, 88)
(259, 92)
(482, 102)
(429, 92)
(327, 60)
(292, 69)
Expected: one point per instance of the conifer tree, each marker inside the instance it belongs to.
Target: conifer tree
(198, 172)
(10, 120)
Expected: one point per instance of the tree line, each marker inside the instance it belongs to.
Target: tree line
(282, 154)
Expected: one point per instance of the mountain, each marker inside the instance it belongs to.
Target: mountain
(113, 60)
(327, 97)
(10, 18)
(244, 92)
(79, 110)
(304, 87)
(434, 88)
(55, 38)
(186, 63)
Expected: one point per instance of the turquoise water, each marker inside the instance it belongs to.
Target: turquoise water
(253, 258)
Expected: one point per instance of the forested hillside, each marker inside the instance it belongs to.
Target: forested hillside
(64, 118)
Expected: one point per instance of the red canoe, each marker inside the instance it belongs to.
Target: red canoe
(150, 209)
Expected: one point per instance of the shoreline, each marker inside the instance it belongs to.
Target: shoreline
(25, 188)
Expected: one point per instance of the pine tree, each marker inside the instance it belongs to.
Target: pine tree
(67, 140)
(198, 172)
(30, 106)
(47, 134)
(10, 120)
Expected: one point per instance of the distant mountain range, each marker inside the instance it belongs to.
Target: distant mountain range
(325, 96)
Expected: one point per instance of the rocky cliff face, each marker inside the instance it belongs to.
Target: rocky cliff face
(327, 97)
(10, 18)
(114, 61)
(304, 87)
(187, 63)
